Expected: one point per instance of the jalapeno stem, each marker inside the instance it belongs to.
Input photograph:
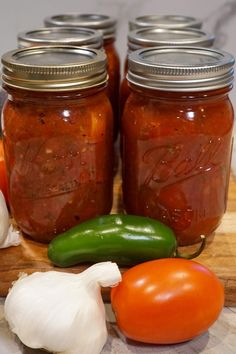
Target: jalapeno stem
(195, 254)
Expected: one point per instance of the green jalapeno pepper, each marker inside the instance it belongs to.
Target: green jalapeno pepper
(124, 239)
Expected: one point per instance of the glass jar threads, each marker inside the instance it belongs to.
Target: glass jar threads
(177, 138)
(107, 26)
(57, 128)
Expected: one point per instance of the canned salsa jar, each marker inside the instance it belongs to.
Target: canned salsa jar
(177, 138)
(107, 27)
(57, 129)
(157, 37)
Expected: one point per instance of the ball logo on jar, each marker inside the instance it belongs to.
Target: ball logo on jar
(179, 179)
(178, 161)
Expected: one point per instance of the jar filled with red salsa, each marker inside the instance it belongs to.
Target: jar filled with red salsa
(177, 138)
(157, 37)
(57, 129)
(107, 27)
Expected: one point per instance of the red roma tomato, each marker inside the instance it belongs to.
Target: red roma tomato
(167, 301)
(3, 174)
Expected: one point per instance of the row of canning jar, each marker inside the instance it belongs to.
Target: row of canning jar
(176, 130)
(99, 31)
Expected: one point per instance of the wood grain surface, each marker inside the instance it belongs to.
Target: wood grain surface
(219, 254)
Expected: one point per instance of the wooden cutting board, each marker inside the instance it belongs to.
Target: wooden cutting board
(219, 254)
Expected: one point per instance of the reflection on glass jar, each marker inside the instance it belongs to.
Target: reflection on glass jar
(177, 138)
(58, 139)
(3, 96)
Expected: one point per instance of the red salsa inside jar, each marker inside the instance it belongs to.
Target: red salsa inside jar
(114, 80)
(58, 147)
(177, 152)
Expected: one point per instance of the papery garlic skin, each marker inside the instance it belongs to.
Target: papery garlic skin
(61, 312)
(8, 236)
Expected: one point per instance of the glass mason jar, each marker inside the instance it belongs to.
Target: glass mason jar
(177, 138)
(57, 129)
(165, 21)
(107, 27)
(156, 37)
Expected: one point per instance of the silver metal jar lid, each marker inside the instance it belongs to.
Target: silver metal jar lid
(105, 24)
(155, 36)
(61, 35)
(180, 69)
(165, 21)
(54, 68)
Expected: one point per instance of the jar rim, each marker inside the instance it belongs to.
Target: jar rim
(156, 36)
(75, 36)
(180, 68)
(54, 68)
(165, 21)
(105, 24)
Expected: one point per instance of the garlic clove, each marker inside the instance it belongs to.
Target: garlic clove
(104, 273)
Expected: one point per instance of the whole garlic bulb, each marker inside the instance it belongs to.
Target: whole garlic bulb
(61, 312)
